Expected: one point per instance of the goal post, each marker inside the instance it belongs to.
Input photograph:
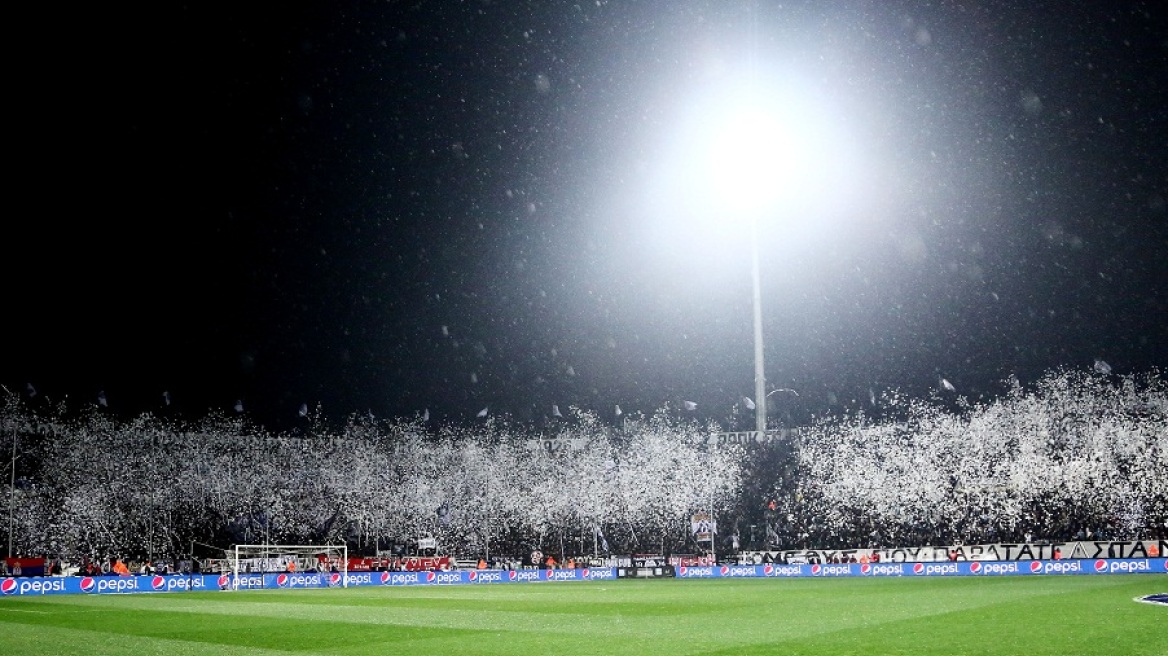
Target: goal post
(299, 558)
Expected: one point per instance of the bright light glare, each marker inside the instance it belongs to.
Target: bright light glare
(772, 149)
(751, 160)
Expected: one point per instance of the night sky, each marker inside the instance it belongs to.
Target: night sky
(392, 206)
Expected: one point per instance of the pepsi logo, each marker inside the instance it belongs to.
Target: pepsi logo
(512, 574)
(474, 575)
(8, 586)
(88, 584)
(767, 570)
(157, 583)
(816, 570)
(724, 570)
(1166, 564)
(1035, 567)
(335, 579)
(1101, 565)
(682, 570)
(282, 580)
(919, 568)
(865, 568)
(224, 581)
(584, 573)
(975, 567)
(430, 577)
(385, 578)
(547, 574)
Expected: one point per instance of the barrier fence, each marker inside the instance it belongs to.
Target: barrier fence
(42, 585)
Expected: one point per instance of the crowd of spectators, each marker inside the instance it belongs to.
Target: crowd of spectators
(1078, 455)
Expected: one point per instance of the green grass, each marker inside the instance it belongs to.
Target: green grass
(1057, 615)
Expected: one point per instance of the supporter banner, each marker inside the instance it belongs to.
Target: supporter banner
(702, 527)
(26, 566)
(689, 560)
(39, 585)
(996, 552)
(409, 563)
(417, 564)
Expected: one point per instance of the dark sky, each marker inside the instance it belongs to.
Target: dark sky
(392, 206)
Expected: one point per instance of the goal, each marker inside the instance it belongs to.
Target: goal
(300, 558)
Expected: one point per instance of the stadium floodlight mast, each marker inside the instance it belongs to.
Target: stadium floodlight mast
(751, 160)
(747, 150)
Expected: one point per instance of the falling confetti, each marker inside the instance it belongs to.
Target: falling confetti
(690, 405)
(947, 386)
(238, 407)
(303, 412)
(483, 413)
(556, 411)
(1102, 367)
(101, 400)
(746, 401)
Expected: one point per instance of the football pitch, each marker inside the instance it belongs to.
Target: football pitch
(1057, 615)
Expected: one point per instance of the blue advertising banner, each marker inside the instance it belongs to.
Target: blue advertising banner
(975, 568)
(40, 585)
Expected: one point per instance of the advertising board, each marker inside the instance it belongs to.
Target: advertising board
(52, 585)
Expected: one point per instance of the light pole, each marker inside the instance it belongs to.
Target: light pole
(747, 179)
(760, 398)
(750, 162)
(763, 147)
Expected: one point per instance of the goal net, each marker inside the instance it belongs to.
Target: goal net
(291, 558)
